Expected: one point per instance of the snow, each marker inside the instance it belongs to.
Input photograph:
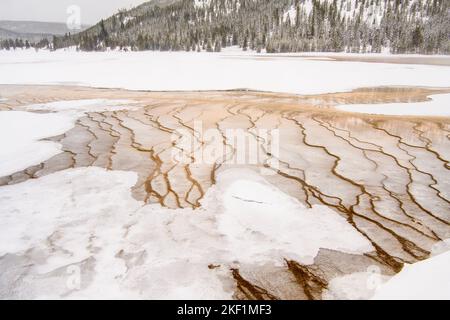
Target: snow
(200, 4)
(266, 220)
(354, 286)
(348, 9)
(85, 105)
(425, 280)
(437, 105)
(291, 14)
(21, 145)
(125, 249)
(210, 71)
(126, 20)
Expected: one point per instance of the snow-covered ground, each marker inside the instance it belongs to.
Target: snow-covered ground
(425, 280)
(21, 132)
(437, 105)
(210, 71)
(82, 106)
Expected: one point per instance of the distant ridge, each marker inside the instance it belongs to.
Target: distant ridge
(33, 30)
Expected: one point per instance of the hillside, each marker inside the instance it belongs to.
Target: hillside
(401, 26)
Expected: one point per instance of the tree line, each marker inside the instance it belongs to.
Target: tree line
(401, 26)
(18, 43)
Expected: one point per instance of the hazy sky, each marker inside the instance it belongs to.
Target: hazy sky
(56, 10)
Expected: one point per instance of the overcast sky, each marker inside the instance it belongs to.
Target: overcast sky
(56, 10)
